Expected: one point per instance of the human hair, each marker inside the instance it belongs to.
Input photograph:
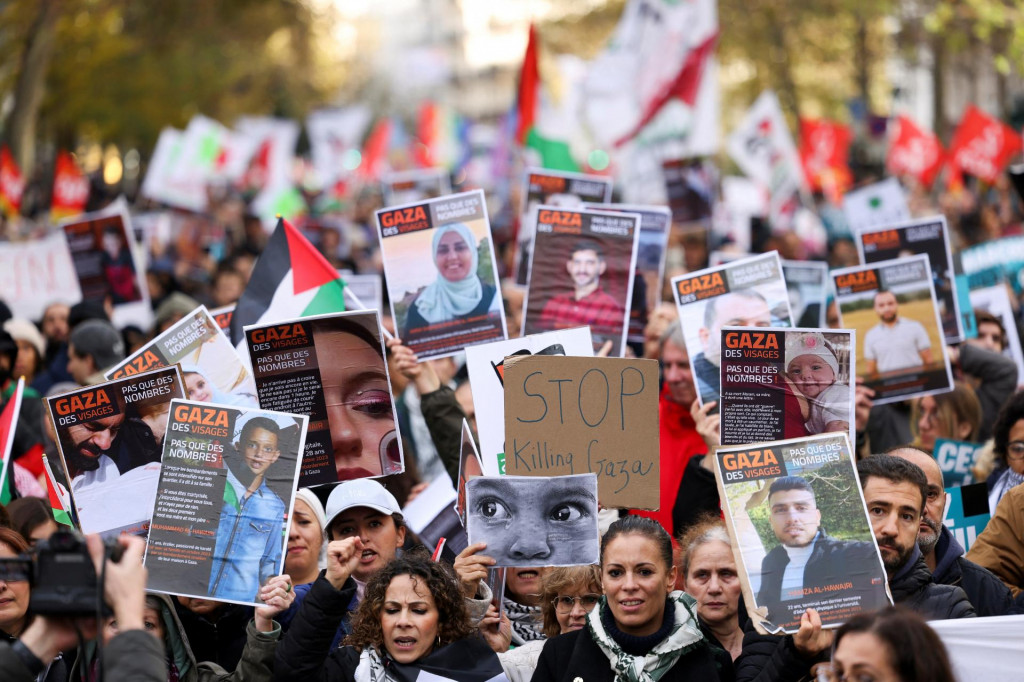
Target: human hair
(13, 540)
(784, 483)
(673, 334)
(894, 470)
(1011, 412)
(259, 423)
(985, 317)
(644, 527)
(707, 529)
(588, 245)
(560, 579)
(453, 619)
(882, 291)
(335, 325)
(959, 406)
(912, 648)
(711, 309)
(27, 514)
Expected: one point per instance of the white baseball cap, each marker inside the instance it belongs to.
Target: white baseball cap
(361, 492)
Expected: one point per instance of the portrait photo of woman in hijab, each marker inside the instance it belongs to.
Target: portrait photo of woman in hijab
(458, 291)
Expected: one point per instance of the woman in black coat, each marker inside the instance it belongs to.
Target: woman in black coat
(639, 620)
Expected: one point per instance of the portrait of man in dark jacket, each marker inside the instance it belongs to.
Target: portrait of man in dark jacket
(808, 563)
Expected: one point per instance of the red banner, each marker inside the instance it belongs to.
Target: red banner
(982, 145)
(824, 150)
(11, 184)
(913, 151)
(70, 188)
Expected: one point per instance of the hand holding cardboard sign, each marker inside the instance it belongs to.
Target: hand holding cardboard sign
(342, 559)
(472, 567)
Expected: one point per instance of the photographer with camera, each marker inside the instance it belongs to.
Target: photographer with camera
(33, 646)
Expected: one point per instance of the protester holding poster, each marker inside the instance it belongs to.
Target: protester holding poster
(779, 384)
(226, 487)
(449, 301)
(750, 292)
(332, 369)
(110, 438)
(892, 307)
(581, 274)
(788, 508)
(101, 252)
(928, 236)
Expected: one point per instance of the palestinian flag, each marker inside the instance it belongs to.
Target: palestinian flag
(8, 422)
(60, 501)
(291, 279)
(536, 111)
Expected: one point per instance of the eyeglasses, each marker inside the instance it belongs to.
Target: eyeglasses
(1015, 450)
(827, 673)
(566, 604)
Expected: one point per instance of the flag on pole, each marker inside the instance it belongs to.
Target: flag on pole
(290, 279)
(824, 150)
(982, 145)
(913, 151)
(60, 501)
(539, 118)
(8, 423)
(70, 189)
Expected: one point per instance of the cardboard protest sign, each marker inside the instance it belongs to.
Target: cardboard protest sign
(110, 438)
(432, 516)
(956, 460)
(749, 292)
(581, 273)
(780, 384)
(486, 366)
(530, 521)
(807, 283)
(469, 468)
(785, 494)
(35, 274)
(331, 369)
(967, 512)
(892, 307)
(406, 187)
(928, 236)
(227, 486)
(222, 316)
(578, 415)
(996, 301)
(210, 367)
(882, 203)
(102, 247)
(552, 188)
(655, 225)
(440, 270)
(994, 262)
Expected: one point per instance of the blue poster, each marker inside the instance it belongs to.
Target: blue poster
(967, 513)
(956, 459)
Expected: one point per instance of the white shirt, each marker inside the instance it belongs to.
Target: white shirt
(793, 578)
(107, 471)
(896, 347)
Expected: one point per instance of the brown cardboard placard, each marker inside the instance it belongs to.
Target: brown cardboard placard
(572, 415)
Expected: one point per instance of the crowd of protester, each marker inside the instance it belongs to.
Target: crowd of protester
(360, 598)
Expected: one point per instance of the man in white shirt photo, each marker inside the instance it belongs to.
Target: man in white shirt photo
(895, 343)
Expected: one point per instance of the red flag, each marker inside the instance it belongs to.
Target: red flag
(983, 145)
(824, 150)
(11, 184)
(375, 150)
(70, 188)
(913, 151)
(529, 81)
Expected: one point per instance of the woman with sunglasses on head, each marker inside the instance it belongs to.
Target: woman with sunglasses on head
(642, 630)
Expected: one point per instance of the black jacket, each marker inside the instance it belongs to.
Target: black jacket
(914, 587)
(698, 496)
(219, 641)
(988, 594)
(575, 655)
(414, 322)
(304, 654)
(832, 562)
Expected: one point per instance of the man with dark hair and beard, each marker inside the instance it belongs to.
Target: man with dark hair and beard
(895, 491)
(808, 560)
(87, 449)
(943, 554)
(896, 343)
(250, 532)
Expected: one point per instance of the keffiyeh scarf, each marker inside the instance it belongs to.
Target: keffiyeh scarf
(683, 637)
(526, 621)
(460, 661)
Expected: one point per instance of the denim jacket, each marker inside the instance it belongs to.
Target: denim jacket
(249, 542)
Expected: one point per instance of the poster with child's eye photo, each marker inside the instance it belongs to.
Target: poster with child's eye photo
(530, 521)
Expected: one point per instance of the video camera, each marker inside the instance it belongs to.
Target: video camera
(61, 574)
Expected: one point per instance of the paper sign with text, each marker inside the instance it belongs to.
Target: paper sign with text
(956, 460)
(967, 512)
(578, 415)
